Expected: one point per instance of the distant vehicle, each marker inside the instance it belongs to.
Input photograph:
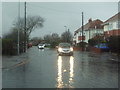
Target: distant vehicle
(41, 46)
(47, 45)
(65, 49)
(29, 45)
(102, 46)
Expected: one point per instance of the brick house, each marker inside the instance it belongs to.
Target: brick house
(91, 29)
(112, 26)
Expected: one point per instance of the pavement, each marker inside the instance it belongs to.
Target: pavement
(14, 61)
(8, 62)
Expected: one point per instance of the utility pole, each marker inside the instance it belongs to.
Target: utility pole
(68, 35)
(25, 31)
(82, 29)
(18, 45)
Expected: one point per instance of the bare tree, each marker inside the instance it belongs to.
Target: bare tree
(66, 36)
(32, 22)
(55, 37)
(48, 38)
(36, 40)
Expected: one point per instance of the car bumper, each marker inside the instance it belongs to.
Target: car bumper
(65, 53)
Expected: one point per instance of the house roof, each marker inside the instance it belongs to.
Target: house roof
(113, 18)
(96, 24)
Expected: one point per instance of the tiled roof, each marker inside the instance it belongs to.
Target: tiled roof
(96, 24)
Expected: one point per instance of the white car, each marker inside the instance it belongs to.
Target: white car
(65, 49)
(41, 46)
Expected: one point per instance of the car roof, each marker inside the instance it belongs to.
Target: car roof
(41, 44)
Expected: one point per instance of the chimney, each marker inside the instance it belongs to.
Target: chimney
(90, 20)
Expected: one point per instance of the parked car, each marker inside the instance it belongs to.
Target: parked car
(65, 49)
(29, 45)
(102, 46)
(47, 45)
(41, 46)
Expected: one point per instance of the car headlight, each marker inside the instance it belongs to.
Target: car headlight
(71, 49)
(59, 49)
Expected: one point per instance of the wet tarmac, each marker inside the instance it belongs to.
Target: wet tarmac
(45, 69)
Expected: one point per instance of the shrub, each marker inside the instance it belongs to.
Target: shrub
(8, 47)
(114, 43)
(96, 40)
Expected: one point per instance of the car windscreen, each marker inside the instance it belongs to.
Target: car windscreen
(64, 45)
(40, 44)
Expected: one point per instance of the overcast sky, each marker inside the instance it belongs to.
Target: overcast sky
(57, 15)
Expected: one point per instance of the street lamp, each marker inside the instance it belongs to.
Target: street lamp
(65, 28)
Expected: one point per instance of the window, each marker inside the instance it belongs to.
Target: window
(110, 26)
(118, 24)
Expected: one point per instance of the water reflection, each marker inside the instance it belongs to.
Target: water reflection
(60, 81)
(71, 70)
(41, 50)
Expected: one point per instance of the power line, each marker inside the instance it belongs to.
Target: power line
(55, 10)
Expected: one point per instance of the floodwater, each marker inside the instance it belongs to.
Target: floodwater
(46, 69)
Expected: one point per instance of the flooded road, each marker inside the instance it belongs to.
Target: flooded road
(46, 69)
